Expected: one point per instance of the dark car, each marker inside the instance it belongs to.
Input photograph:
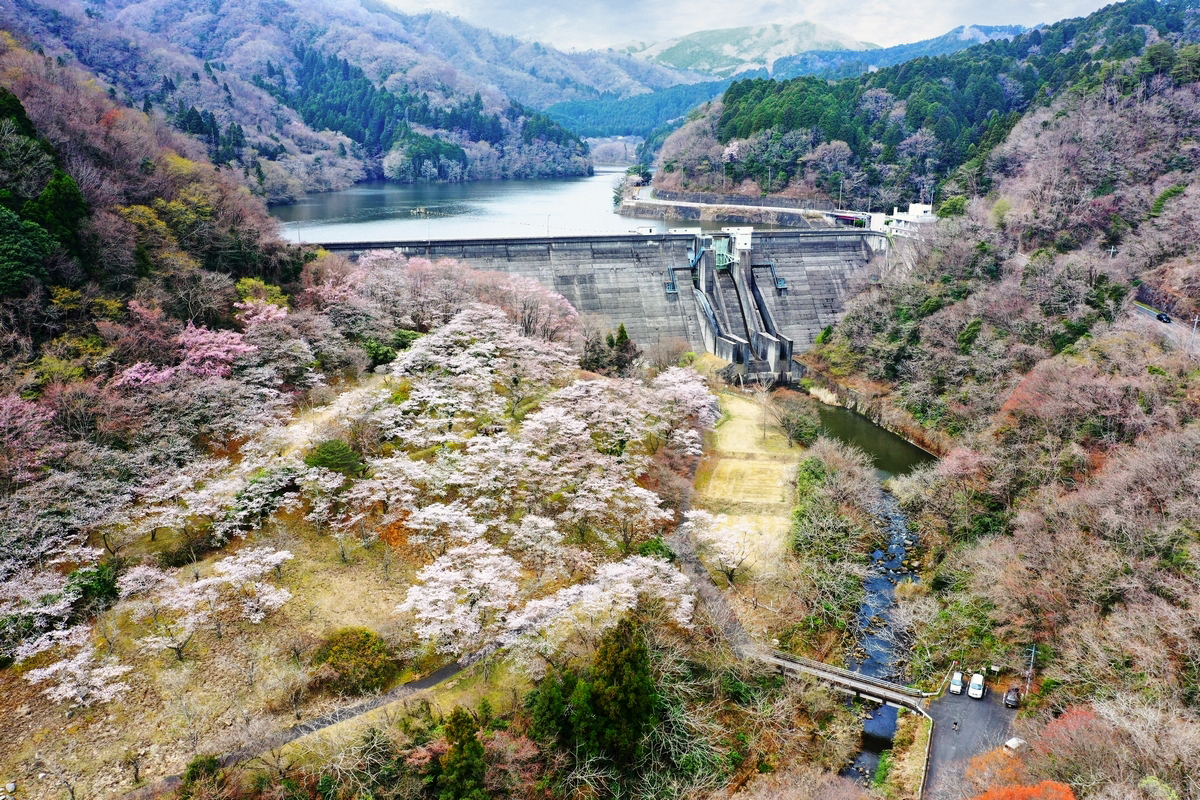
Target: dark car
(1012, 698)
(1162, 317)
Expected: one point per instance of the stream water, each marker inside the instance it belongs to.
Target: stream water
(878, 651)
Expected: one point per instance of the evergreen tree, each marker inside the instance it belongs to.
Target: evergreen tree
(550, 707)
(614, 709)
(58, 210)
(11, 108)
(23, 248)
(463, 767)
(622, 352)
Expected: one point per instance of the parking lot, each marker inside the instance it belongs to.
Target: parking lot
(982, 725)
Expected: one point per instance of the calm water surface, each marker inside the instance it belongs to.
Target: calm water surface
(381, 211)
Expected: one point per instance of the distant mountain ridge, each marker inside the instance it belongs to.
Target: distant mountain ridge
(728, 51)
(840, 63)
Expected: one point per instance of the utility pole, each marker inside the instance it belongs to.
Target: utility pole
(1192, 339)
(1111, 251)
(1029, 674)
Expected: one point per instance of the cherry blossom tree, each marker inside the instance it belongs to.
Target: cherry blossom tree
(320, 487)
(544, 627)
(26, 440)
(210, 353)
(537, 311)
(463, 597)
(437, 525)
(243, 574)
(729, 548)
(83, 679)
(539, 542)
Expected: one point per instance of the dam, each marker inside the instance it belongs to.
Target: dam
(753, 298)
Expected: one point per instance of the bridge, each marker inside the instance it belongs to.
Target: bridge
(843, 680)
(754, 298)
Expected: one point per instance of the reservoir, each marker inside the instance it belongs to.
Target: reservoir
(383, 211)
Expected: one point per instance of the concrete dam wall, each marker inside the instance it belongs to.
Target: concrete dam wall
(752, 299)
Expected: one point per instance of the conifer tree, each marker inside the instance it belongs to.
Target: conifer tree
(616, 706)
(463, 767)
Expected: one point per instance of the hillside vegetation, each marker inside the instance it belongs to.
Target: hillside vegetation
(834, 64)
(1063, 515)
(895, 134)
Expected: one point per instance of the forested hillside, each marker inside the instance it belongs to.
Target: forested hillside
(1063, 515)
(639, 115)
(243, 72)
(895, 134)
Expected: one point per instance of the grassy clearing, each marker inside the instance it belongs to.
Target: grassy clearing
(749, 477)
(903, 781)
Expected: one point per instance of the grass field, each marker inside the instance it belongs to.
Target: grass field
(749, 477)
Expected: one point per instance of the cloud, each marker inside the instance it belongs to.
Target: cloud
(603, 23)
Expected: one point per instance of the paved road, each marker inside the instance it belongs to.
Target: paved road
(1178, 330)
(982, 725)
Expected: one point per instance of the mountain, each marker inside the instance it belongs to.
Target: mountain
(531, 73)
(898, 133)
(841, 63)
(728, 51)
(307, 95)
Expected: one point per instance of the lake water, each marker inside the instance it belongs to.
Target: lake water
(382, 211)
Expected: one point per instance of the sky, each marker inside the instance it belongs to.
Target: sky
(583, 24)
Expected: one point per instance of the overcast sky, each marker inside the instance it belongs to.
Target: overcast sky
(603, 23)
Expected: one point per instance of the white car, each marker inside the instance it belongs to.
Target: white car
(956, 683)
(975, 688)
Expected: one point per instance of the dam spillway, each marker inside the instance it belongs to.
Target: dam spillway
(752, 298)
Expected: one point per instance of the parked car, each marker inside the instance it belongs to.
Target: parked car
(1012, 698)
(1162, 316)
(976, 688)
(956, 683)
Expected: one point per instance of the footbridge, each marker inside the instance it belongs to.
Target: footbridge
(753, 298)
(843, 680)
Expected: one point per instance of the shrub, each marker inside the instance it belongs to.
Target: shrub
(953, 207)
(379, 353)
(96, 585)
(656, 548)
(336, 455)
(402, 340)
(358, 662)
(201, 772)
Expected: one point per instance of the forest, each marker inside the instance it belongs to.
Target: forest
(320, 105)
(639, 115)
(1063, 513)
(896, 134)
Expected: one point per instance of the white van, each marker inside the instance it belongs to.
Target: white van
(976, 688)
(956, 683)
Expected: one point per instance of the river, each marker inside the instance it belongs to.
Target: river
(879, 650)
(382, 211)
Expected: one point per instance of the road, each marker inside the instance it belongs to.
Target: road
(1178, 331)
(982, 725)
